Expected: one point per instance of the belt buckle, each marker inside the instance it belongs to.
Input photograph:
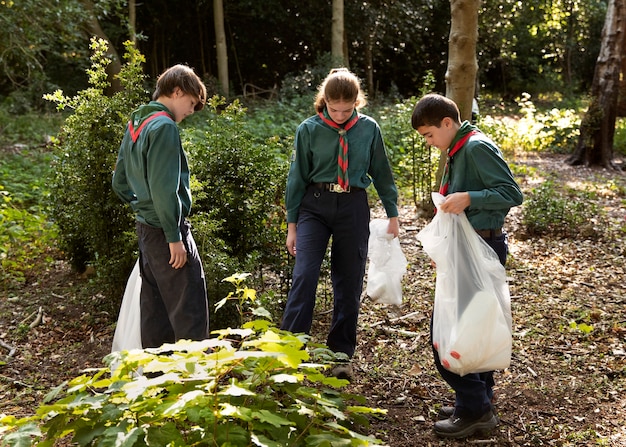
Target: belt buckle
(336, 187)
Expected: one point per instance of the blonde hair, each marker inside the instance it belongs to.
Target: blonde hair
(340, 85)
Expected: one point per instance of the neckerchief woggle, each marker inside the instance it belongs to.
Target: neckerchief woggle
(445, 179)
(342, 157)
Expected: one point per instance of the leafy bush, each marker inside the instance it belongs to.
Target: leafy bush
(550, 212)
(95, 227)
(251, 386)
(239, 185)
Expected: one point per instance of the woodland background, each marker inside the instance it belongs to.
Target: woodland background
(67, 243)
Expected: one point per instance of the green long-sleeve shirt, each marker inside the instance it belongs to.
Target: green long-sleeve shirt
(479, 169)
(315, 161)
(152, 174)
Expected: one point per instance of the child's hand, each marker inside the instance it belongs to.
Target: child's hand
(178, 254)
(456, 203)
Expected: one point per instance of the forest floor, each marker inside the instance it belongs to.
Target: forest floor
(566, 385)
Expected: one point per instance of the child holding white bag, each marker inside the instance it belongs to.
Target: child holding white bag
(477, 181)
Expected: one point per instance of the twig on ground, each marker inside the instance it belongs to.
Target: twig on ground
(37, 321)
(401, 332)
(393, 320)
(8, 347)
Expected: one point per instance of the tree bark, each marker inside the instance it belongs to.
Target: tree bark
(621, 99)
(597, 128)
(220, 44)
(132, 21)
(337, 44)
(220, 40)
(462, 62)
(94, 29)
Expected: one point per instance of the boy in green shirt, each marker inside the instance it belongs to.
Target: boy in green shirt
(476, 181)
(152, 176)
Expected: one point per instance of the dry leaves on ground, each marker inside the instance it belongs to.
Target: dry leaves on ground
(566, 385)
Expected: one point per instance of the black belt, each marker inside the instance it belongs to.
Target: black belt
(490, 234)
(334, 187)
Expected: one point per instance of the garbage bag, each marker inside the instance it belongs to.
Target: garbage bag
(128, 330)
(472, 311)
(387, 265)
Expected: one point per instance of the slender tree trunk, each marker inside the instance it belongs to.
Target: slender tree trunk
(462, 62)
(337, 44)
(132, 21)
(621, 100)
(369, 65)
(94, 28)
(597, 129)
(220, 40)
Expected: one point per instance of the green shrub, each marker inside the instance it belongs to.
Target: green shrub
(248, 387)
(239, 185)
(549, 211)
(95, 227)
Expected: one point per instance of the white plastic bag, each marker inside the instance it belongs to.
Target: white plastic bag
(472, 312)
(128, 330)
(387, 265)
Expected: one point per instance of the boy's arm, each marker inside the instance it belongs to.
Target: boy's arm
(119, 181)
(498, 189)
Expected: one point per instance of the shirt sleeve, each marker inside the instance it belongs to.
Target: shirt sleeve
(382, 175)
(501, 191)
(119, 182)
(299, 172)
(164, 171)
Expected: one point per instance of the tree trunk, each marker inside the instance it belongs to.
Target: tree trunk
(462, 62)
(621, 100)
(337, 46)
(113, 69)
(597, 128)
(220, 40)
(132, 21)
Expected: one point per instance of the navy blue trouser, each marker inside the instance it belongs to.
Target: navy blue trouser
(345, 217)
(474, 392)
(174, 302)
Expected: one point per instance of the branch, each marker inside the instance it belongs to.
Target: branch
(8, 347)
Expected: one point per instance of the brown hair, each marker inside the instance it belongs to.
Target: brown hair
(432, 109)
(340, 85)
(186, 79)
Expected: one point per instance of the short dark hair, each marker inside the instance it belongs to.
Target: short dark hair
(185, 79)
(432, 109)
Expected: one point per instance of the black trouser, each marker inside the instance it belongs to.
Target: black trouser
(345, 217)
(173, 301)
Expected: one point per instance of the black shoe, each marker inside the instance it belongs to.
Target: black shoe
(461, 427)
(445, 412)
(343, 371)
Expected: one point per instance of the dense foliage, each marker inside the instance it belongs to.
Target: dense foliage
(251, 386)
(533, 46)
(94, 227)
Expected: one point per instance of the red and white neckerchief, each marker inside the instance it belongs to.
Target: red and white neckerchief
(134, 134)
(342, 157)
(445, 178)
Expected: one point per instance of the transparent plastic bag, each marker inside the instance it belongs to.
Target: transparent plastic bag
(128, 330)
(472, 312)
(387, 265)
